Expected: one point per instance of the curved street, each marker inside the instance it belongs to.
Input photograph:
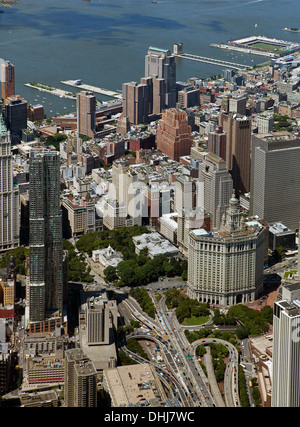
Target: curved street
(230, 380)
(193, 387)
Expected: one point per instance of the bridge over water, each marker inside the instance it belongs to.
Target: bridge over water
(178, 52)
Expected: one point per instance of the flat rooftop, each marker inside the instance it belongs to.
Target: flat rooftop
(132, 384)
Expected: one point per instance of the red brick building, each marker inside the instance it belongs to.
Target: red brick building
(142, 142)
(174, 134)
(35, 112)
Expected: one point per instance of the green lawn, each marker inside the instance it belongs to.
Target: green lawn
(268, 46)
(279, 50)
(195, 320)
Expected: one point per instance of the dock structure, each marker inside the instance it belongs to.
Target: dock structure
(79, 85)
(52, 90)
(179, 53)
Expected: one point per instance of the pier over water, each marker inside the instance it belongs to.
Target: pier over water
(178, 52)
(79, 85)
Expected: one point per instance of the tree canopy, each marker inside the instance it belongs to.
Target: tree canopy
(135, 269)
(78, 271)
(145, 301)
(254, 323)
(19, 254)
(190, 307)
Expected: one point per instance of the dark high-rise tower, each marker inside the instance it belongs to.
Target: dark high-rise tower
(45, 235)
(16, 115)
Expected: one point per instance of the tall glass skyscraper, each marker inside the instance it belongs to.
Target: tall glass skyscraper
(9, 195)
(45, 235)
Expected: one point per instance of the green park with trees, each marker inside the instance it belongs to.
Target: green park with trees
(120, 240)
(135, 269)
(188, 311)
(142, 270)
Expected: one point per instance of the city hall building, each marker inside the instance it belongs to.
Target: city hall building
(226, 267)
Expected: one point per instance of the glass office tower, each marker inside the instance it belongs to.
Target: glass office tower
(45, 236)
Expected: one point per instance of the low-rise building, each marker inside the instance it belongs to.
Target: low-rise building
(106, 257)
(261, 349)
(280, 235)
(42, 399)
(155, 243)
(44, 370)
(134, 385)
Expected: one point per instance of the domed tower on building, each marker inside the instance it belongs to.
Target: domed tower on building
(232, 219)
(225, 267)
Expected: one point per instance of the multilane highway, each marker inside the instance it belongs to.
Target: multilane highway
(183, 372)
(230, 380)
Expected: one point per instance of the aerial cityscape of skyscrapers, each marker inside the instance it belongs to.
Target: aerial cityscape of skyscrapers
(149, 244)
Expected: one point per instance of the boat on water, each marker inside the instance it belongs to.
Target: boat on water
(154, 1)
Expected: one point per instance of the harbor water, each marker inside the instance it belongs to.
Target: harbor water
(104, 42)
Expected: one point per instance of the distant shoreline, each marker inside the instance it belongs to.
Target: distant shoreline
(291, 30)
(7, 3)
